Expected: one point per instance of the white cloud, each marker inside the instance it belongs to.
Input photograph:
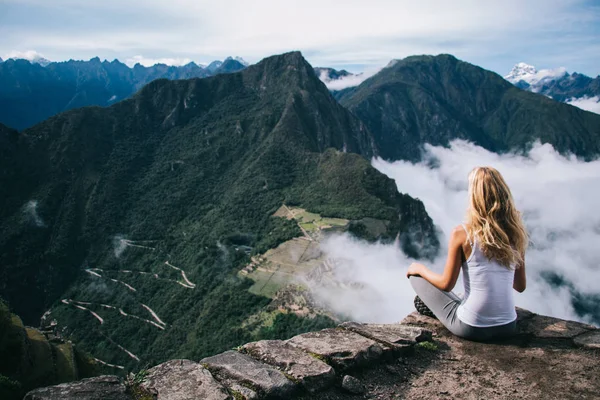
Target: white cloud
(557, 195)
(587, 103)
(346, 81)
(30, 55)
(148, 62)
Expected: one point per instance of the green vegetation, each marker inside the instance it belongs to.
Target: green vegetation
(287, 325)
(429, 346)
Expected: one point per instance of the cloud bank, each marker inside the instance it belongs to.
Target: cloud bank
(587, 103)
(557, 195)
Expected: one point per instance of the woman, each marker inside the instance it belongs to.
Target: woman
(490, 249)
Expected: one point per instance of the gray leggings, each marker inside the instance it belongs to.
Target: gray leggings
(444, 305)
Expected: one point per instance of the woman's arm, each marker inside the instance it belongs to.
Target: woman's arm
(520, 281)
(448, 278)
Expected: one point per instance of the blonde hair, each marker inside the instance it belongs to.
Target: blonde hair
(494, 220)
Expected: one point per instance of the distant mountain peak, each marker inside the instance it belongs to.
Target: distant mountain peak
(519, 71)
(525, 76)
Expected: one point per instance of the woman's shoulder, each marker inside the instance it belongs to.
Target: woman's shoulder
(459, 234)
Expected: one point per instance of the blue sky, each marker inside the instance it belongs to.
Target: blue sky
(357, 35)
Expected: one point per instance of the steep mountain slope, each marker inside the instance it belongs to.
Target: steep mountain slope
(129, 219)
(558, 84)
(434, 99)
(30, 92)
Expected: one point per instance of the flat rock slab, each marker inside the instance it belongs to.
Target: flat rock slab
(233, 367)
(340, 347)
(589, 340)
(183, 380)
(311, 372)
(543, 327)
(397, 336)
(106, 387)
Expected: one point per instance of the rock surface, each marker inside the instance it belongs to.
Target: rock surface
(353, 385)
(265, 380)
(397, 336)
(339, 347)
(549, 358)
(589, 340)
(311, 372)
(183, 380)
(104, 387)
(543, 327)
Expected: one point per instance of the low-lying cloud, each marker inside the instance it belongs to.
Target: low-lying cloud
(557, 195)
(346, 81)
(31, 212)
(587, 103)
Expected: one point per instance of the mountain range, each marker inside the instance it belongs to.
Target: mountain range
(125, 226)
(31, 92)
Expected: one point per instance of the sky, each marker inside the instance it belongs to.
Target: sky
(356, 35)
(556, 195)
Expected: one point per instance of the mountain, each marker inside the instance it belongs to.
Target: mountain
(557, 83)
(30, 93)
(231, 65)
(128, 224)
(434, 99)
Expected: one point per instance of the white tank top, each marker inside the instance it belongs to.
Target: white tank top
(488, 299)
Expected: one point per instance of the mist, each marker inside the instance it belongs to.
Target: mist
(31, 211)
(558, 196)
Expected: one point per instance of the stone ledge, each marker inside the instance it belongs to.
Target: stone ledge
(183, 380)
(236, 370)
(397, 336)
(340, 348)
(277, 369)
(307, 370)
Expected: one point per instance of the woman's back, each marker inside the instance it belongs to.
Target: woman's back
(488, 299)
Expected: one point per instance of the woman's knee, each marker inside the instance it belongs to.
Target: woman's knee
(417, 282)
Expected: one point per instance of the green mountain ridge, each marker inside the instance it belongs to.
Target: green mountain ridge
(434, 99)
(133, 212)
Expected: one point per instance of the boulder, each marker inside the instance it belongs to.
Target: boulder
(339, 347)
(589, 340)
(400, 337)
(183, 380)
(353, 385)
(233, 367)
(106, 387)
(311, 372)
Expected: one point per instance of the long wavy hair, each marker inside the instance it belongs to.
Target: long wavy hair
(494, 220)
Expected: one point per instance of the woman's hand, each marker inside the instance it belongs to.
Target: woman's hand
(414, 269)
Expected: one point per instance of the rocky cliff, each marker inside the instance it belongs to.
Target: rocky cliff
(416, 358)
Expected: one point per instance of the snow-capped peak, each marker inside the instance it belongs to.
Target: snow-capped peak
(520, 72)
(525, 75)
